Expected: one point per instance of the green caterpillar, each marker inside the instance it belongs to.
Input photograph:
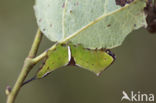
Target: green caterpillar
(93, 60)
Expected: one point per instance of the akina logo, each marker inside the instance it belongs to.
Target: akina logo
(137, 97)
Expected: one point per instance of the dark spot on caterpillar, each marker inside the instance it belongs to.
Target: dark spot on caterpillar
(150, 11)
(54, 49)
(48, 68)
(105, 58)
(123, 2)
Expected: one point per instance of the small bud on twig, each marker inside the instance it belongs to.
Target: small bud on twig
(8, 90)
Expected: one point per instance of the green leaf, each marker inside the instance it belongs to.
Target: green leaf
(93, 60)
(94, 23)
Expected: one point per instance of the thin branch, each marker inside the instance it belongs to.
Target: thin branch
(35, 44)
(28, 64)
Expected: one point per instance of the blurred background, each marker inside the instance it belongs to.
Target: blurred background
(134, 69)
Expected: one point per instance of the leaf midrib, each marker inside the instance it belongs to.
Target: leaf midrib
(94, 22)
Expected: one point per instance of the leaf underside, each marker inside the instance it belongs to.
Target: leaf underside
(59, 19)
